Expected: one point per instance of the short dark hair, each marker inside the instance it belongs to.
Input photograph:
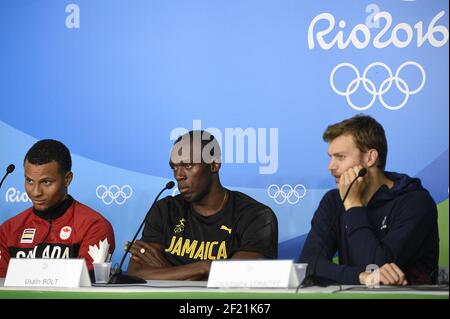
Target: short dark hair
(46, 151)
(367, 134)
(202, 133)
(205, 139)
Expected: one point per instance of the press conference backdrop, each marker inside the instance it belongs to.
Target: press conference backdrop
(118, 81)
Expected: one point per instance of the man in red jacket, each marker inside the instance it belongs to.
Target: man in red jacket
(57, 226)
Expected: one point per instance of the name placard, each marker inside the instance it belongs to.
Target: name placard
(56, 273)
(253, 274)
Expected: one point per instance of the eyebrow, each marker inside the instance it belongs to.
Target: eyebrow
(180, 163)
(336, 154)
(42, 179)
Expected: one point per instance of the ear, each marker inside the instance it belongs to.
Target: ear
(371, 158)
(215, 167)
(68, 179)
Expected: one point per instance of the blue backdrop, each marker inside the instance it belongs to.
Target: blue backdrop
(113, 79)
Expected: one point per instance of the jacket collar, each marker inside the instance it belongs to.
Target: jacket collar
(55, 211)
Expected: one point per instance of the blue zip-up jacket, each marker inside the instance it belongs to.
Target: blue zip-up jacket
(398, 225)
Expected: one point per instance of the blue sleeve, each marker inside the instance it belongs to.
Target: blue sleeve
(414, 216)
(321, 245)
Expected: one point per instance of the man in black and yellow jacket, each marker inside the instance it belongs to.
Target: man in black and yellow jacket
(206, 222)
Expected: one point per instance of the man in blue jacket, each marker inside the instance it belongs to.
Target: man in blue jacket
(386, 221)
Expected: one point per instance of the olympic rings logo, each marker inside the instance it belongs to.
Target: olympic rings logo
(384, 87)
(114, 193)
(286, 193)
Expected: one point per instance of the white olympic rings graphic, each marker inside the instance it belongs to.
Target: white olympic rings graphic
(114, 193)
(286, 193)
(385, 86)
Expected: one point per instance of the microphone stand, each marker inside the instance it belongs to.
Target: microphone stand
(9, 170)
(119, 277)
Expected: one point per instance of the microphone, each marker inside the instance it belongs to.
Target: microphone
(9, 170)
(309, 281)
(362, 172)
(119, 277)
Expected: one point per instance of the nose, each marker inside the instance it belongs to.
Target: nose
(34, 191)
(179, 173)
(332, 165)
